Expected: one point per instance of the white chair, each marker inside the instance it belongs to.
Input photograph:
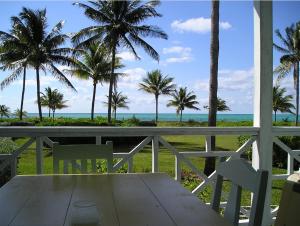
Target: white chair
(82, 152)
(288, 213)
(243, 176)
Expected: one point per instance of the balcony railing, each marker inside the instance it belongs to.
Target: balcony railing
(155, 137)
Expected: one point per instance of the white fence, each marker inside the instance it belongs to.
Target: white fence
(153, 136)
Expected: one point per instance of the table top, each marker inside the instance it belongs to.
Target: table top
(122, 199)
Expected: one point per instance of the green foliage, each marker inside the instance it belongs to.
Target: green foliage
(7, 145)
(101, 166)
(280, 156)
(131, 122)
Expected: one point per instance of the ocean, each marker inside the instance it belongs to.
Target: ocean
(170, 116)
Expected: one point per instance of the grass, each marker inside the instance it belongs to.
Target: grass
(142, 163)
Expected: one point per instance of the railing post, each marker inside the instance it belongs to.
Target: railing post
(263, 92)
(130, 165)
(155, 149)
(208, 143)
(13, 166)
(290, 164)
(177, 169)
(39, 155)
(98, 140)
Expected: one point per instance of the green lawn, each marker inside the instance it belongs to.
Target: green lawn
(142, 162)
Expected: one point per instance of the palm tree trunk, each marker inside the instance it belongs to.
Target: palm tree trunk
(53, 112)
(213, 83)
(23, 94)
(275, 115)
(111, 82)
(115, 110)
(180, 115)
(49, 112)
(93, 100)
(38, 92)
(296, 71)
(156, 108)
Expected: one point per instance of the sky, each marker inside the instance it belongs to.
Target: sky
(184, 56)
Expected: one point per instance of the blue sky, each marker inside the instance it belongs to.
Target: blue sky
(184, 56)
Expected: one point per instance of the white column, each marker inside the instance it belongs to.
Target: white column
(155, 149)
(263, 85)
(39, 155)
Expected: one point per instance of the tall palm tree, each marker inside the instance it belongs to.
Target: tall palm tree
(282, 102)
(53, 99)
(183, 99)
(118, 101)
(213, 82)
(289, 61)
(95, 64)
(157, 84)
(14, 53)
(4, 111)
(119, 24)
(45, 51)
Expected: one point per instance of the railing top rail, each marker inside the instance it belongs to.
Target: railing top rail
(286, 131)
(29, 131)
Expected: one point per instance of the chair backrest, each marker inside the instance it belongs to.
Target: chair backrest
(243, 176)
(83, 152)
(288, 213)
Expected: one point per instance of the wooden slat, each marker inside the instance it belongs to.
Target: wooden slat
(97, 189)
(136, 204)
(47, 203)
(184, 207)
(79, 131)
(13, 197)
(122, 199)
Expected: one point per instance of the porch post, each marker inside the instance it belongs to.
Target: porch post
(263, 85)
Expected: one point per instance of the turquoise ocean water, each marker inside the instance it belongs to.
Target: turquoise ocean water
(170, 116)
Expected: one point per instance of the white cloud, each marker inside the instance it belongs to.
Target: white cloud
(197, 25)
(230, 80)
(127, 56)
(183, 54)
(178, 59)
(132, 78)
(44, 80)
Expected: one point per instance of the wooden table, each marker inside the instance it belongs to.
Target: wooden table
(122, 199)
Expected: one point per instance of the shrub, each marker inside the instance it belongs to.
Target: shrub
(279, 155)
(6, 147)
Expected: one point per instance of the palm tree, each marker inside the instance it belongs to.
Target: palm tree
(4, 111)
(119, 24)
(282, 102)
(18, 113)
(289, 61)
(47, 99)
(95, 64)
(213, 82)
(118, 101)
(221, 105)
(45, 51)
(53, 99)
(14, 56)
(58, 102)
(183, 99)
(157, 84)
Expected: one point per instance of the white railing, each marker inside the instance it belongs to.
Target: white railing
(155, 137)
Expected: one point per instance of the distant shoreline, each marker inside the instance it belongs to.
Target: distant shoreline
(171, 117)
